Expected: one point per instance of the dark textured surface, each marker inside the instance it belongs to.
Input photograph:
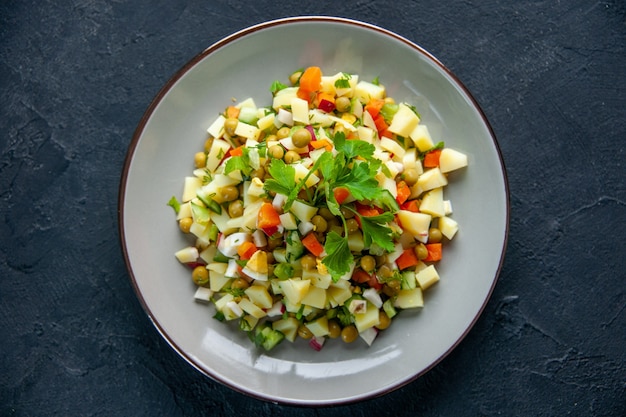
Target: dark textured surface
(75, 78)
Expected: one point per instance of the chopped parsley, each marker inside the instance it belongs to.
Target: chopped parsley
(173, 203)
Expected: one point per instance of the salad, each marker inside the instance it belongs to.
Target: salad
(319, 216)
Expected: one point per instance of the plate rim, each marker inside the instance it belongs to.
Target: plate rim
(166, 88)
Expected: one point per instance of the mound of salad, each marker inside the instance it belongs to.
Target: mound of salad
(320, 216)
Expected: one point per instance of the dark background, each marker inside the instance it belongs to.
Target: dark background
(75, 79)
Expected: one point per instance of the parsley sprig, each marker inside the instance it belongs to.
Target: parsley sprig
(353, 167)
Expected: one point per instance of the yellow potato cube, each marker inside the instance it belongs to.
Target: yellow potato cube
(319, 327)
(259, 296)
(251, 308)
(369, 318)
(295, 289)
(427, 277)
(315, 297)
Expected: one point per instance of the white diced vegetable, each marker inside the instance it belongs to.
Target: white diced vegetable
(450, 160)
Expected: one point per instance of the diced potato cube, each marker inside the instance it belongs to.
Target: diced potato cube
(208, 254)
(449, 160)
(217, 280)
(247, 131)
(288, 221)
(421, 137)
(295, 289)
(190, 188)
(249, 102)
(217, 152)
(301, 172)
(317, 117)
(319, 327)
(303, 211)
(432, 203)
(348, 126)
(448, 227)
(432, 178)
(365, 134)
(259, 296)
(404, 121)
(220, 304)
(266, 122)
(409, 298)
(217, 127)
(392, 146)
(416, 224)
(283, 97)
(315, 297)
(300, 110)
(186, 255)
(337, 296)
(366, 91)
(427, 277)
(369, 318)
(317, 279)
(251, 308)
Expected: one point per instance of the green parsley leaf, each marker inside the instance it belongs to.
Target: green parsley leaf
(276, 87)
(438, 145)
(375, 229)
(238, 163)
(326, 165)
(357, 147)
(344, 81)
(376, 81)
(331, 202)
(386, 201)
(283, 177)
(219, 316)
(339, 256)
(361, 184)
(173, 203)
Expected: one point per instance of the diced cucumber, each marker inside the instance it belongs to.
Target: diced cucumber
(266, 337)
(295, 248)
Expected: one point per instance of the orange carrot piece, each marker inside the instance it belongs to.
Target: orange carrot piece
(268, 219)
(381, 124)
(373, 106)
(341, 193)
(329, 98)
(246, 250)
(404, 192)
(312, 244)
(431, 159)
(322, 143)
(434, 252)
(407, 259)
(410, 205)
(311, 79)
(305, 95)
(367, 211)
(232, 112)
(360, 276)
(236, 151)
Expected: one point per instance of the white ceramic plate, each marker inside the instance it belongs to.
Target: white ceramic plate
(161, 155)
